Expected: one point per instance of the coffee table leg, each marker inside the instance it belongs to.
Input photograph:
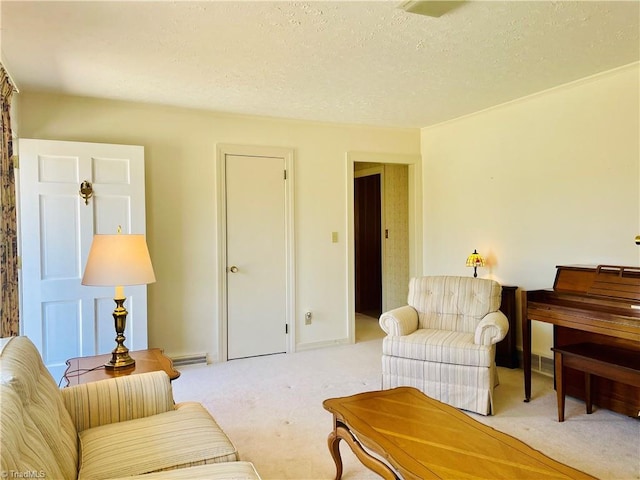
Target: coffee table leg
(334, 448)
(342, 432)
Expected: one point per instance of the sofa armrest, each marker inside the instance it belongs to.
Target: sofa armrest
(118, 399)
(491, 329)
(399, 321)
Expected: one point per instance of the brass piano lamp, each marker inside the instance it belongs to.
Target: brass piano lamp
(118, 260)
(475, 260)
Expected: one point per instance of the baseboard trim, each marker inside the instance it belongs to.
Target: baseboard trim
(300, 347)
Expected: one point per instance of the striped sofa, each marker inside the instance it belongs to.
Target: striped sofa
(443, 341)
(127, 427)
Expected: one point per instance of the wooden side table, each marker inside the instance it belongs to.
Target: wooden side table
(90, 369)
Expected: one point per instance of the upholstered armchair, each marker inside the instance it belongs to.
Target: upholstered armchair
(443, 341)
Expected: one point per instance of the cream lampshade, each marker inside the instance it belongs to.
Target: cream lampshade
(119, 260)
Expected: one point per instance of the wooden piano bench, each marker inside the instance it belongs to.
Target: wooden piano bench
(615, 363)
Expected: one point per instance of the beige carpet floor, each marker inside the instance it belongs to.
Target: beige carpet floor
(271, 408)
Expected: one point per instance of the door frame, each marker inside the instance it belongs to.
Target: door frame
(287, 154)
(414, 165)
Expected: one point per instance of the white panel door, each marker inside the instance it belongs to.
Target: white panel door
(63, 318)
(256, 256)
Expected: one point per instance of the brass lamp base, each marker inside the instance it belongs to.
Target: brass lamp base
(120, 357)
(119, 360)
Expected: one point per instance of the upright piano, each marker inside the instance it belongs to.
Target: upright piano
(588, 304)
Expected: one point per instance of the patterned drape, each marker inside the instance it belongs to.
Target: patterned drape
(9, 314)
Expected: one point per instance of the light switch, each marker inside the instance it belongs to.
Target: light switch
(334, 237)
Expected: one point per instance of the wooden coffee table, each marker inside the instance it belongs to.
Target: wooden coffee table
(421, 438)
(90, 369)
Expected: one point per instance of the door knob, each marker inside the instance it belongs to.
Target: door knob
(233, 269)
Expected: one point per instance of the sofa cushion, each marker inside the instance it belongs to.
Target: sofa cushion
(180, 438)
(453, 303)
(441, 346)
(34, 419)
(218, 471)
(118, 399)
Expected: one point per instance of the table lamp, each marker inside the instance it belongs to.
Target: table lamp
(475, 260)
(119, 260)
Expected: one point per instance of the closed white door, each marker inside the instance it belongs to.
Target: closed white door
(63, 318)
(256, 256)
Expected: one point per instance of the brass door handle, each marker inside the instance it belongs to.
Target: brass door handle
(86, 191)
(233, 269)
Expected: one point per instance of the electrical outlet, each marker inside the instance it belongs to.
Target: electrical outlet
(307, 318)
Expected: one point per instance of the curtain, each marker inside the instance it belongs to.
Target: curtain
(9, 314)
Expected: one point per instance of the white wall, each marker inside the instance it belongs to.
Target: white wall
(180, 147)
(546, 180)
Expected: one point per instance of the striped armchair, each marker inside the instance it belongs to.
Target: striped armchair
(443, 341)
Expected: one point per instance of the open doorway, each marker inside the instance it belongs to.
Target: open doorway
(381, 243)
(367, 217)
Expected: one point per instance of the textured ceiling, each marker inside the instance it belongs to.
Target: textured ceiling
(350, 62)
